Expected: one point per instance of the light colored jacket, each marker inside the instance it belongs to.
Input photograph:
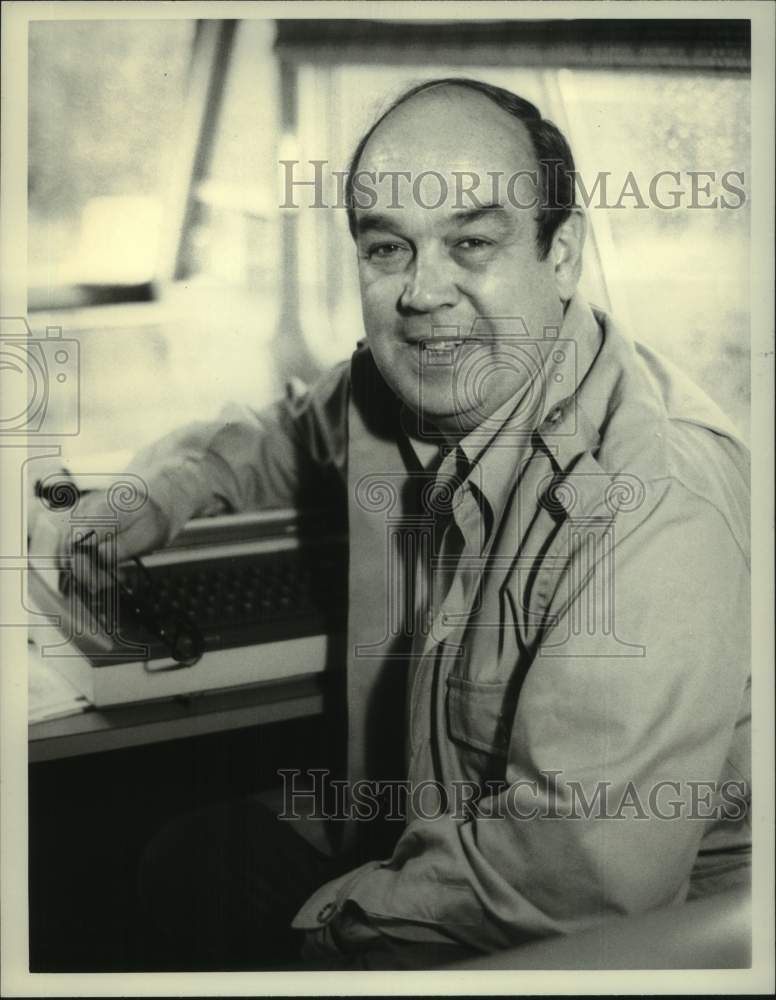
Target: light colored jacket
(586, 674)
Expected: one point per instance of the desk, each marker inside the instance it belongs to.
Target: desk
(98, 730)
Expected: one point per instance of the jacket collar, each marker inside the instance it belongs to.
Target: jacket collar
(568, 427)
(546, 414)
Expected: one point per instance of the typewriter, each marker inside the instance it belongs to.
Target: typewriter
(236, 599)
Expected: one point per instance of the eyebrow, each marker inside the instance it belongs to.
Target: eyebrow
(374, 220)
(467, 215)
(371, 221)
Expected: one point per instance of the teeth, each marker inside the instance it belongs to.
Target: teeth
(440, 351)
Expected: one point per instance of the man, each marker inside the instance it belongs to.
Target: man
(548, 619)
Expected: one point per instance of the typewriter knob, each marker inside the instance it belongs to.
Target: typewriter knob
(186, 645)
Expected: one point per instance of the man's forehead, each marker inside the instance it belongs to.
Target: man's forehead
(450, 130)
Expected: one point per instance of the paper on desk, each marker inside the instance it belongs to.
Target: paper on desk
(50, 695)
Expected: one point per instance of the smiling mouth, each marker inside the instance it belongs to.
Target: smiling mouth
(443, 350)
(439, 351)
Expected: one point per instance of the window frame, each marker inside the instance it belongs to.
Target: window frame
(204, 88)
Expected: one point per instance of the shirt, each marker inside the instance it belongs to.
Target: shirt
(585, 679)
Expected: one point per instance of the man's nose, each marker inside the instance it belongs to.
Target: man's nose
(430, 284)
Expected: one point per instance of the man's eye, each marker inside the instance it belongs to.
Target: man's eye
(473, 243)
(384, 251)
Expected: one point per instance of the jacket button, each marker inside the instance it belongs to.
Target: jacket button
(326, 913)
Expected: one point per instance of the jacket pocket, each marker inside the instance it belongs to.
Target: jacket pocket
(476, 715)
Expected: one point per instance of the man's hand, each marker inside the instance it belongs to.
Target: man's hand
(107, 537)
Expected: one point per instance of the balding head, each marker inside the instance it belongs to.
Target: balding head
(440, 115)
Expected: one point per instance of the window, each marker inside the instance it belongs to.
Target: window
(152, 175)
(233, 239)
(677, 277)
(105, 97)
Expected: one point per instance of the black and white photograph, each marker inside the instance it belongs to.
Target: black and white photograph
(387, 399)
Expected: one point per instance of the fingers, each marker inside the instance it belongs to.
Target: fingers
(96, 550)
(86, 565)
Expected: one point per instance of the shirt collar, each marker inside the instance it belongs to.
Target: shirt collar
(427, 451)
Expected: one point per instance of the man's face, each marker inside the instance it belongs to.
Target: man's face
(455, 299)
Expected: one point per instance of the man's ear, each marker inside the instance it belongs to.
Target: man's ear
(566, 252)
